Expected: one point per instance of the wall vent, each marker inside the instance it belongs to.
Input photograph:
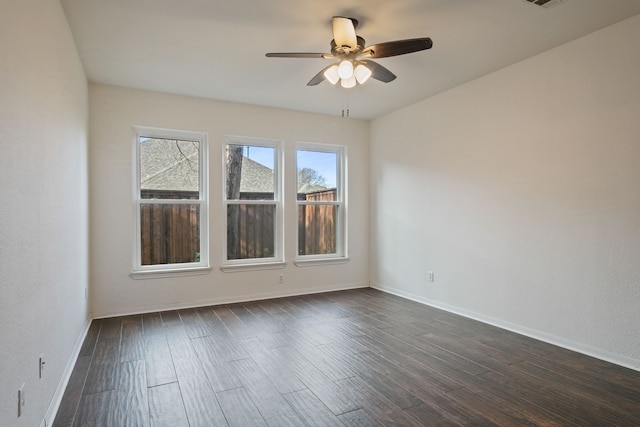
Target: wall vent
(545, 3)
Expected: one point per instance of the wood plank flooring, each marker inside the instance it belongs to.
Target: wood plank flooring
(360, 357)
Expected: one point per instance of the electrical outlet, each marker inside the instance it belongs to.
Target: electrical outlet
(431, 276)
(21, 399)
(41, 366)
(280, 278)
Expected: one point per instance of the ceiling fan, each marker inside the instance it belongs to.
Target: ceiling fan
(354, 64)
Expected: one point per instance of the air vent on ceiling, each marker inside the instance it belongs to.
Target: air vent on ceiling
(545, 3)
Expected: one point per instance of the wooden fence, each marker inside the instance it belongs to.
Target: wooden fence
(317, 224)
(170, 232)
(250, 231)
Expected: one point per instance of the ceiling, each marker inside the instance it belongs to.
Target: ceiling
(216, 48)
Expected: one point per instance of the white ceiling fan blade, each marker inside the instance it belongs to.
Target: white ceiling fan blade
(344, 32)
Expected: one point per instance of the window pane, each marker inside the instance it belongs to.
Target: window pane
(317, 173)
(170, 233)
(317, 229)
(169, 168)
(250, 231)
(250, 172)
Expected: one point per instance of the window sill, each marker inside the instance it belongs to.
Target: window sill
(320, 261)
(232, 268)
(175, 272)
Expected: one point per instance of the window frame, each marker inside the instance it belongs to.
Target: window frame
(140, 271)
(278, 258)
(341, 254)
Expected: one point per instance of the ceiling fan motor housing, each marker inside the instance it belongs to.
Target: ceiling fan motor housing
(341, 51)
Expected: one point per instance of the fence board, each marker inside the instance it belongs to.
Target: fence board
(170, 232)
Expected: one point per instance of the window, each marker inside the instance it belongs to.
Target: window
(170, 194)
(321, 201)
(253, 201)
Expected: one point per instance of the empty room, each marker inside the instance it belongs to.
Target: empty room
(319, 213)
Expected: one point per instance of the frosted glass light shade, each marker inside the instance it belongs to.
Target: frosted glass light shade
(345, 69)
(331, 74)
(362, 73)
(348, 83)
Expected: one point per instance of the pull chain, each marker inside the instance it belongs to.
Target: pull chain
(347, 107)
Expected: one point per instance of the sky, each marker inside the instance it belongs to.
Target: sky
(324, 163)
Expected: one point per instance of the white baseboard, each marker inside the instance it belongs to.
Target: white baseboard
(52, 411)
(229, 300)
(617, 359)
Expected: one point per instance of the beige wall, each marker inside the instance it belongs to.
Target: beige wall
(114, 111)
(520, 191)
(43, 206)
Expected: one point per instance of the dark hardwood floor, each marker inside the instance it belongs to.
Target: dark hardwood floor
(358, 357)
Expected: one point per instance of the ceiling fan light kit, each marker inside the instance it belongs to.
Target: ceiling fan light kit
(347, 47)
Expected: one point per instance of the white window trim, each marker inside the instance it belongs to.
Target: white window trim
(183, 269)
(230, 268)
(248, 264)
(169, 272)
(341, 255)
(326, 260)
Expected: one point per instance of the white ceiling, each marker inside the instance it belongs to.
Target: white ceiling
(216, 48)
